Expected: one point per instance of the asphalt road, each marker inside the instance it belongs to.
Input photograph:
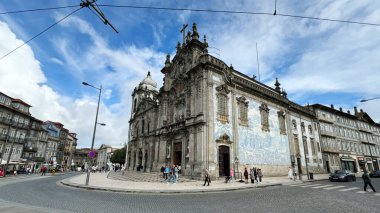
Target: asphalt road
(45, 194)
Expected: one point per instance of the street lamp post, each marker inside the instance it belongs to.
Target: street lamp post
(93, 134)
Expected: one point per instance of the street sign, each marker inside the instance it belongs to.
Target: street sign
(92, 154)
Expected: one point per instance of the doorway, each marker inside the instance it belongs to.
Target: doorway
(224, 160)
(177, 157)
(299, 165)
(328, 166)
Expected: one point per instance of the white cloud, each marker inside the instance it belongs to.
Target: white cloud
(22, 75)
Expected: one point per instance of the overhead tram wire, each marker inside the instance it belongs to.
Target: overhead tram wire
(57, 22)
(238, 12)
(38, 9)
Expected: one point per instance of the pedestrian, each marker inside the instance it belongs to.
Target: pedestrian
(255, 174)
(43, 169)
(232, 175)
(122, 170)
(176, 173)
(207, 177)
(252, 175)
(163, 171)
(290, 173)
(166, 172)
(367, 181)
(179, 169)
(260, 174)
(246, 175)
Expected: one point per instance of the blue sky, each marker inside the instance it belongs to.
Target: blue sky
(315, 61)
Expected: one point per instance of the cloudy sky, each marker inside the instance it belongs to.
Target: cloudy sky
(315, 61)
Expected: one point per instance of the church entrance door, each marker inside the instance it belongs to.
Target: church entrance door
(224, 160)
(177, 157)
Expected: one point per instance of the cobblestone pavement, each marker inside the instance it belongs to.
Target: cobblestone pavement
(153, 183)
(143, 177)
(46, 194)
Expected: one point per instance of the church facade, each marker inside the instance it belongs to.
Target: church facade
(209, 115)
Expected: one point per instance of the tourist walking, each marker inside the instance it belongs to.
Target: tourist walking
(252, 172)
(290, 173)
(246, 175)
(166, 172)
(367, 181)
(207, 177)
(260, 174)
(122, 170)
(43, 171)
(232, 175)
(163, 171)
(255, 174)
(176, 173)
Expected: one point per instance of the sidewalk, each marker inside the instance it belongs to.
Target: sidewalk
(99, 181)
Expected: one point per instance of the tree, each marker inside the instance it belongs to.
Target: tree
(119, 156)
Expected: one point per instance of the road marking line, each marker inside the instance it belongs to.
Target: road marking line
(349, 189)
(361, 192)
(302, 184)
(334, 187)
(312, 185)
(318, 187)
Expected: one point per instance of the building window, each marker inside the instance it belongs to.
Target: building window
(264, 111)
(243, 110)
(318, 147)
(294, 122)
(302, 126)
(310, 129)
(281, 122)
(312, 146)
(305, 146)
(222, 103)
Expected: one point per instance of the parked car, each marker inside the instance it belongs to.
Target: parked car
(375, 173)
(342, 175)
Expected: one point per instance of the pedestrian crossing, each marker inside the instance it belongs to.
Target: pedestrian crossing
(332, 187)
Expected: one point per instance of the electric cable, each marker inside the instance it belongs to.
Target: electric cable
(38, 9)
(237, 12)
(57, 22)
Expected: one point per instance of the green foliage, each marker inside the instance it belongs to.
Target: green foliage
(119, 156)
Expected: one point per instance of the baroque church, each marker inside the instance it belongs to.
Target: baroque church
(209, 115)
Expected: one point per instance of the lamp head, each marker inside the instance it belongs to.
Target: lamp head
(363, 100)
(84, 83)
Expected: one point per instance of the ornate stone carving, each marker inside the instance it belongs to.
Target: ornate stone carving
(223, 89)
(224, 139)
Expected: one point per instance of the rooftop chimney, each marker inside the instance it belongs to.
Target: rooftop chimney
(361, 110)
(356, 110)
(340, 109)
(348, 111)
(332, 106)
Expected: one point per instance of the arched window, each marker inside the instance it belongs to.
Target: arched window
(294, 122)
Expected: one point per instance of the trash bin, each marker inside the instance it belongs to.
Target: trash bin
(311, 175)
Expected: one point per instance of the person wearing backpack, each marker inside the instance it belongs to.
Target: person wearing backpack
(367, 181)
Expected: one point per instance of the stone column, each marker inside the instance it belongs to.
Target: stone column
(234, 128)
(162, 151)
(156, 162)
